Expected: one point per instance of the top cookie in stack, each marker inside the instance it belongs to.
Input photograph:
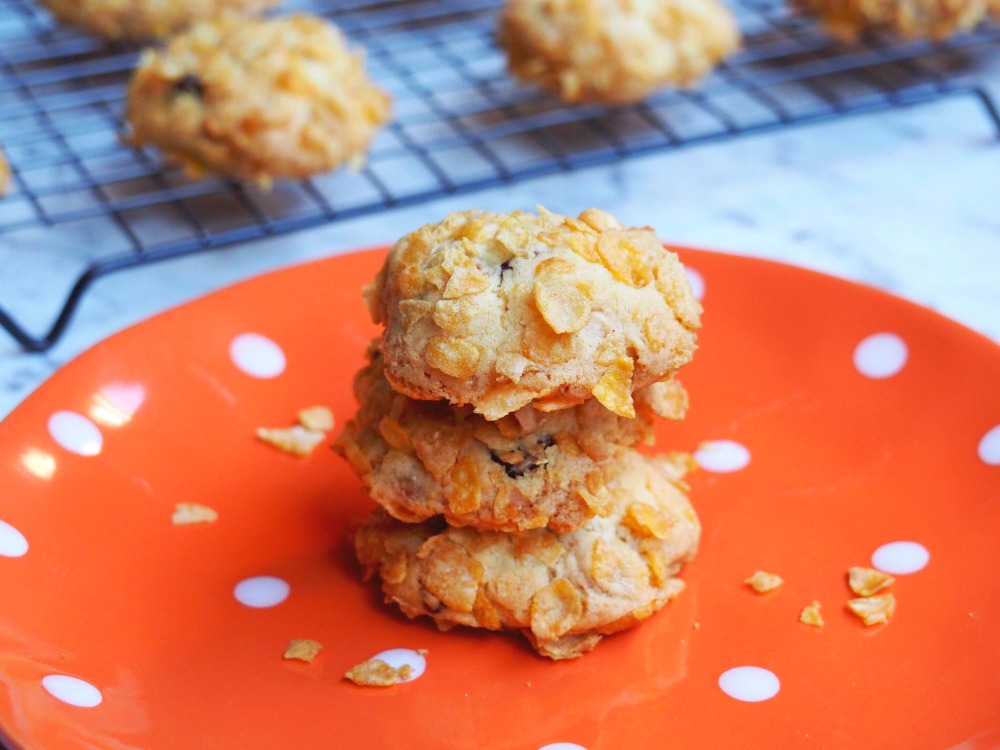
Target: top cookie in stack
(499, 311)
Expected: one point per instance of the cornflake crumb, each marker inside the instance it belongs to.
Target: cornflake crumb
(319, 418)
(377, 673)
(868, 581)
(873, 610)
(187, 513)
(762, 582)
(811, 616)
(297, 440)
(303, 649)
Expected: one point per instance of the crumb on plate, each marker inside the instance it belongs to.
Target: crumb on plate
(868, 581)
(377, 673)
(319, 418)
(300, 440)
(303, 649)
(873, 610)
(297, 440)
(762, 582)
(811, 615)
(188, 513)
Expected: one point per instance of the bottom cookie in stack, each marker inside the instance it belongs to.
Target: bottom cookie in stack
(562, 591)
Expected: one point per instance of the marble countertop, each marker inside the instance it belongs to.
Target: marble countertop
(906, 200)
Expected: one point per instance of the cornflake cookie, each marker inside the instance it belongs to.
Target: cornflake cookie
(614, 51)
(938, 19)
(563, 592)
(148, 19)
(256, 99)
(498, 311)
(526, 470)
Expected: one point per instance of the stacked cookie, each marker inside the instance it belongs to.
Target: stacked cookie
(615, 51)
(524, 359)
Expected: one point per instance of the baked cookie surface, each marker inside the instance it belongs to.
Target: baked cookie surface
(146, 19)
(256, 98)
(937, 19)
(614, 51)
(502, 310)
(530, 469)
(561, 591)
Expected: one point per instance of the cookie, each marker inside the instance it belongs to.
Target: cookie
(614, 51)
(564, 592)
(149, 19)
(501, 310)
(527, 470)
(256, 99)
(937, 19)
(4, 173)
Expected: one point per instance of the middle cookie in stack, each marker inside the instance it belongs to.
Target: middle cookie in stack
(524, 358)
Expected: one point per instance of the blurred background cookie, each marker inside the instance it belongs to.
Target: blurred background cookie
(257, 99)
(614, 51)
(938, 19)
(527, 470)
(146, 19)
(561, 591)
(502, 310)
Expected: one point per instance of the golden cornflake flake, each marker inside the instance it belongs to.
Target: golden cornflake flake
(188, 513)
(318, 418)
(873, 610)
(762, 582)
(811, 616)
(614, 388)
(303, 649)
(297, 440)
(868, 581)
(377, 673)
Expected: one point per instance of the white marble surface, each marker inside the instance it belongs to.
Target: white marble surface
(907, 201)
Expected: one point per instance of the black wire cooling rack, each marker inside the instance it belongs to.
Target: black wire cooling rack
(461, 124)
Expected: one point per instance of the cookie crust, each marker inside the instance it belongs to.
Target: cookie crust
(501, 310)
(614, 51)
(563, 592)
(149, 19)
(528, 470)
(937, 19)
(256, 99)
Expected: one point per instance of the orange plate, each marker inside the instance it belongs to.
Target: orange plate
(97, 584)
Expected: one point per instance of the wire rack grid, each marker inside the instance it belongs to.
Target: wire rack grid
(460, 124)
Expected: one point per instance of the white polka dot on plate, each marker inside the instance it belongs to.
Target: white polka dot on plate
(12, 541)
(257, 355)
(900, 558)
(697, 282)
(261, 591)
(72, 690)
(399, 657)
(989, 447)
(722, 456)
(749, 684)
(880, 355)
(76, 433)
(563, 746)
